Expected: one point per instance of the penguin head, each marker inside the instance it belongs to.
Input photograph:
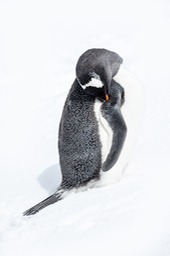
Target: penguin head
(93, 84)
(95, 70)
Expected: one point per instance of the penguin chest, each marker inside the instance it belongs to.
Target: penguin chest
(106, 136)
(105, 131)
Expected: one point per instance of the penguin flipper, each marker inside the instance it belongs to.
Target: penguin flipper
(113, 115)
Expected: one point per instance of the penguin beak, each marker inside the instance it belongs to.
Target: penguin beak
(107, 97)
(106, 92)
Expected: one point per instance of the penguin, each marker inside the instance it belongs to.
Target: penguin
(92, 130)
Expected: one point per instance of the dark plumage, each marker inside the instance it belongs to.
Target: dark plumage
(79, 139)
(79, 143)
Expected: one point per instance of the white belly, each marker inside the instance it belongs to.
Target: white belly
(105, 131)
(132, 111)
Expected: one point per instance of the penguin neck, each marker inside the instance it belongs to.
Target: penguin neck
(80, 93)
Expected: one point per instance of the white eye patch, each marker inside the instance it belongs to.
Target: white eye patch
(94, 82)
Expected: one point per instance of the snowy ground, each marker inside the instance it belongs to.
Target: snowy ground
(40, 42)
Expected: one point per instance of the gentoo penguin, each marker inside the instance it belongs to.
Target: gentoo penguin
(92, 129)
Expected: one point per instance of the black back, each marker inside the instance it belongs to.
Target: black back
(79, 142)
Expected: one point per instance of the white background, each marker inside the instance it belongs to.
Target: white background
(40, 42)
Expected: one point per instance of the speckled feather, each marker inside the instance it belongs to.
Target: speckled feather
(80, 146)
(79, 142)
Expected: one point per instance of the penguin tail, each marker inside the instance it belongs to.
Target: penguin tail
(49, 200)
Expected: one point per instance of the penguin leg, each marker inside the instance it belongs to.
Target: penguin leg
(112, 113)
(49, 200)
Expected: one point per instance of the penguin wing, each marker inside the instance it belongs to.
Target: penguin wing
(113, 115)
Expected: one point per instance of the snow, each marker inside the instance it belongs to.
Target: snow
(40, 42)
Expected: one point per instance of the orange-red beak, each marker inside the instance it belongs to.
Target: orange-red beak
(107, 97)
